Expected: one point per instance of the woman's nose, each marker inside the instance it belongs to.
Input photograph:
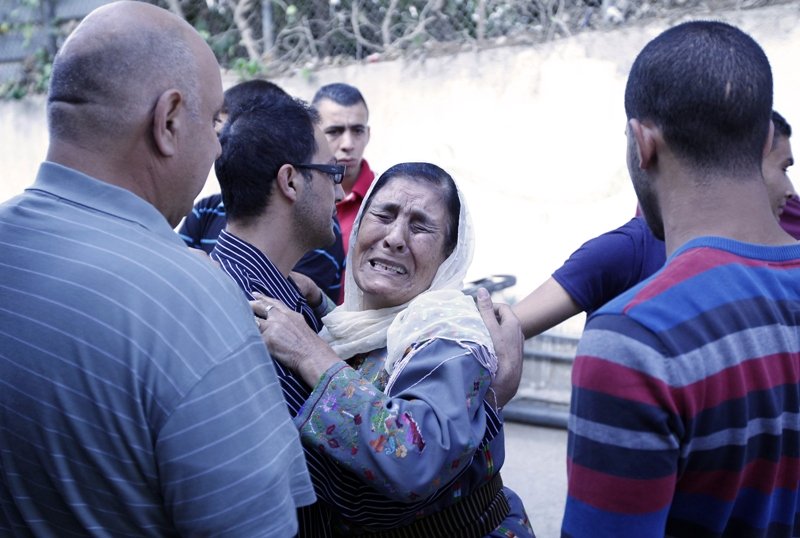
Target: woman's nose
(395, 237)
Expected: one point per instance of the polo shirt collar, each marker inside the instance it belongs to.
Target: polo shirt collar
(81, 189)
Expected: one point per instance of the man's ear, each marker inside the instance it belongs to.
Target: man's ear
(166, 121)
(770, 139)
(287, 181)
(647, 138)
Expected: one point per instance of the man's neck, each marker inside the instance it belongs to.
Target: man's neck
(116, 169)
(95, 165)
(736, 209)
(271, 240)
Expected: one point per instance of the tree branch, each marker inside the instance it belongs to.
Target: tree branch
(240, 12)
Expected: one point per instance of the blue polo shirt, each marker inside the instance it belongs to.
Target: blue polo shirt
(136, 396)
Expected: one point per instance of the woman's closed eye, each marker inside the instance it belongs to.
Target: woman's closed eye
(383, 216)
(422, 228)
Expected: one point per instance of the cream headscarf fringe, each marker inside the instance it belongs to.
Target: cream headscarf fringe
(442, 311)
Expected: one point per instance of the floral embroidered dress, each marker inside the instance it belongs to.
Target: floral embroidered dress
(393, 457)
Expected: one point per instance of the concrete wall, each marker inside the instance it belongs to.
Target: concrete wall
(534, 135)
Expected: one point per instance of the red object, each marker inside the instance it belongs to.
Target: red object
(790, 218)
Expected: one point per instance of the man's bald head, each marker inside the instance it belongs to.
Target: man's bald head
(113, 67)
(134, 97)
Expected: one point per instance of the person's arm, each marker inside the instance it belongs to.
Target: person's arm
(504, 328)
(544, 308)
(625, 433)
(413, 441)
(601, 269)
(291, 341)
(229, 458)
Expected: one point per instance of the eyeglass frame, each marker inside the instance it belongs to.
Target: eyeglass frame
(335, 171)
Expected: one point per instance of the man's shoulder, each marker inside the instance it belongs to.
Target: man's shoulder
(176, 274)
(238, 255)
(134, 291)
(636, 232)
(607, 265)
(618, 245)
(667, 284)
(251, 270)
(708, 274)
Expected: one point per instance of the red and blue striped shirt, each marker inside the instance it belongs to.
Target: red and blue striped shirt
(685, 417)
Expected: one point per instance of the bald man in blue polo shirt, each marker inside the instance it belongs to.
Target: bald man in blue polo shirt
(136, 395)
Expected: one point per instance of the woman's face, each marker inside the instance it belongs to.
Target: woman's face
(400, 242)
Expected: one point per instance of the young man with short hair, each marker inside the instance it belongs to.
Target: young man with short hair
(344, 118)
(686, 388)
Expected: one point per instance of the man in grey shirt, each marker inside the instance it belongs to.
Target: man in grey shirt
(136, 396)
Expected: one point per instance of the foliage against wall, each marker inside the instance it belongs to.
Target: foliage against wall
(269, 37)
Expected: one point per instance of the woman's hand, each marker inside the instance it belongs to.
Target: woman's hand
(291, 341)
(308, 288)
(504, 328)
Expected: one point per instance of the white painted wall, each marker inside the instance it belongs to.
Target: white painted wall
(534, 135)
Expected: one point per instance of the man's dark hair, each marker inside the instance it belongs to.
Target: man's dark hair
(708, 87)
(249, 93)
(430, 173)
(340, 93)
(255, 144)
(782, 127)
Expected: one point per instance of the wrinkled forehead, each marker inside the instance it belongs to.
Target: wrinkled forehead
(417, 200)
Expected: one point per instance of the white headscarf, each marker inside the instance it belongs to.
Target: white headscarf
(442, 311)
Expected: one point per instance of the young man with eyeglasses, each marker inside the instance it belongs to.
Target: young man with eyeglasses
(202, 226)
(280, 184)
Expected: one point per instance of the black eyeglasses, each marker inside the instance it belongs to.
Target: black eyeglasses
(336, 171)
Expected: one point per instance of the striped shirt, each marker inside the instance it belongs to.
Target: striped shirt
(136, 396)
(202, 226)
(254, 272)
(685, 415)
